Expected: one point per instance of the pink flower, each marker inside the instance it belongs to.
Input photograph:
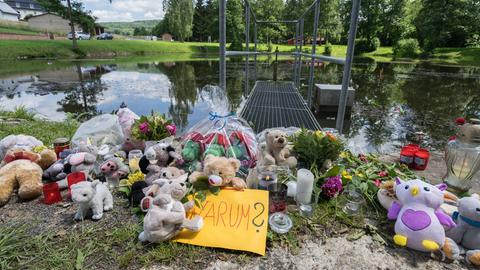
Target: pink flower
(363, 158)
(172, 129)
(332, 186)
(452, 138)
(144, 128)
(382, 173)
(377, 182)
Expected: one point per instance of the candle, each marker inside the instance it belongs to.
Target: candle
(304, 186)
(291, 188)
(51, 193)
(133, 159)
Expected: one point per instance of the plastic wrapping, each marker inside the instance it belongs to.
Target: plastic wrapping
(101, 130)
(220, 135)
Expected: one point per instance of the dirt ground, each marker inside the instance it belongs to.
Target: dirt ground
(333, 252)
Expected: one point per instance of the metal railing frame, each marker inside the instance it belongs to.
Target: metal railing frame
(299, 34)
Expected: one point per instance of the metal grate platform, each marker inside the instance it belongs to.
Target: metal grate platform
(277, 104)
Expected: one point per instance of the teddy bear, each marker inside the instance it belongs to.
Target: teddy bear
(221, 171)
(91, 195)
(466, 235)
(55, 172)
(277, 151)
(140, 188)
(166, 215)
(419, 218)
(156, 172)
(23, 169)
(114, 169)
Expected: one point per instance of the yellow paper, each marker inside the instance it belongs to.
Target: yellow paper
(232, 220)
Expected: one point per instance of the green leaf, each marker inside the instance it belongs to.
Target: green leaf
(356, 235)
(334, 171)
(80, 259)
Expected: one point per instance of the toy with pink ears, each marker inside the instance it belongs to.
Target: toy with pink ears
(419, 219)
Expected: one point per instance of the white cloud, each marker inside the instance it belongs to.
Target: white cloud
(125, 10)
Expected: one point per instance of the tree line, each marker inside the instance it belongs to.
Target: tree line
(431, 23)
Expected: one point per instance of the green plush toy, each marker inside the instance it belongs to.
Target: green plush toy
(191, 155)
(215, 149)
(235, 151)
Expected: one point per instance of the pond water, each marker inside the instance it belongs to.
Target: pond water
(394, 102)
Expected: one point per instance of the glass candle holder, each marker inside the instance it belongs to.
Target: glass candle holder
(307, 207)
(280, 223)
(266, 176)
(463, 162)
(354, 202)
(277, 195)
(51, 193)
(134, 157)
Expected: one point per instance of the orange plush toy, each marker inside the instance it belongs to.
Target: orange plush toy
(23, 170)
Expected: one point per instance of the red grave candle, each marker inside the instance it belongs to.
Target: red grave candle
(51, 193)
(421, 159)
(73, 178)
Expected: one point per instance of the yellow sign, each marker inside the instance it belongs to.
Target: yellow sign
(232, 220)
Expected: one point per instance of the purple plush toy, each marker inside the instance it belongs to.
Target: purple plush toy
(418, 214)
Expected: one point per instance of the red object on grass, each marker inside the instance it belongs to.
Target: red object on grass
(421, 159)
(51, 193)
(460, 121)
(73, 178)
(407, 156)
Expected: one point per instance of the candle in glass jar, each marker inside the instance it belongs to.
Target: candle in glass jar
(305, 180)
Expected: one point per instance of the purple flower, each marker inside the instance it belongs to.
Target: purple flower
(144, 128)
(172, 129)
(332, 186)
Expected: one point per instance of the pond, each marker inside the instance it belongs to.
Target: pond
(394, 102)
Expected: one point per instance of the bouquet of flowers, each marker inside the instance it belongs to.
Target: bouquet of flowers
(153, 127)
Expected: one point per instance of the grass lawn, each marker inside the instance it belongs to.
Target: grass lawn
(13, 49)
(19, 31)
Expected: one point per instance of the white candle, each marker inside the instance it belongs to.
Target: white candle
(304, 186)
(291, 189)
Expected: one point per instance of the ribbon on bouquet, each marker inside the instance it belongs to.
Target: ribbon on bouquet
(217, 118)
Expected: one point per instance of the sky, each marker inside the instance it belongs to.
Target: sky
(125, 10)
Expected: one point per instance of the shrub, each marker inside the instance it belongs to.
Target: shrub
(473, 41)
(406, 48)
(328, 49)
(364, 45)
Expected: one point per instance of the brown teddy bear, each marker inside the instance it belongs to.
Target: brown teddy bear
(221, 171)
(277, 151)
(23, 170)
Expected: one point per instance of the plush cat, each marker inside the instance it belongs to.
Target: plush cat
(419, 219)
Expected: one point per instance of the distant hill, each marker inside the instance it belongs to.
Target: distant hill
(126, 28)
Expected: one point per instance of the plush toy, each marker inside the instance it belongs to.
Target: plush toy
(156, 172)
(166, 215)
(91, 195)
(114, 169)
(22, 169)
(277, 151)
(55, 172)
(191, 154)
(136, 192)
(221, 171)
(18, 142)
(160, 154)
(216, 143)
(83, 159)
(126, 118)
(467, 232)
(418, 214)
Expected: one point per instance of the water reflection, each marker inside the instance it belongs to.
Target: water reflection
(392, 100)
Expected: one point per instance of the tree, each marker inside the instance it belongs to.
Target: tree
(329, 25)
(140, 31)
(159, 29)
(235, 25)
(269, 10)
(179, 18)
(449, 23)
(200, 21)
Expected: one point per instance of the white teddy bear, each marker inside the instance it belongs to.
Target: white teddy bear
(94, 195)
